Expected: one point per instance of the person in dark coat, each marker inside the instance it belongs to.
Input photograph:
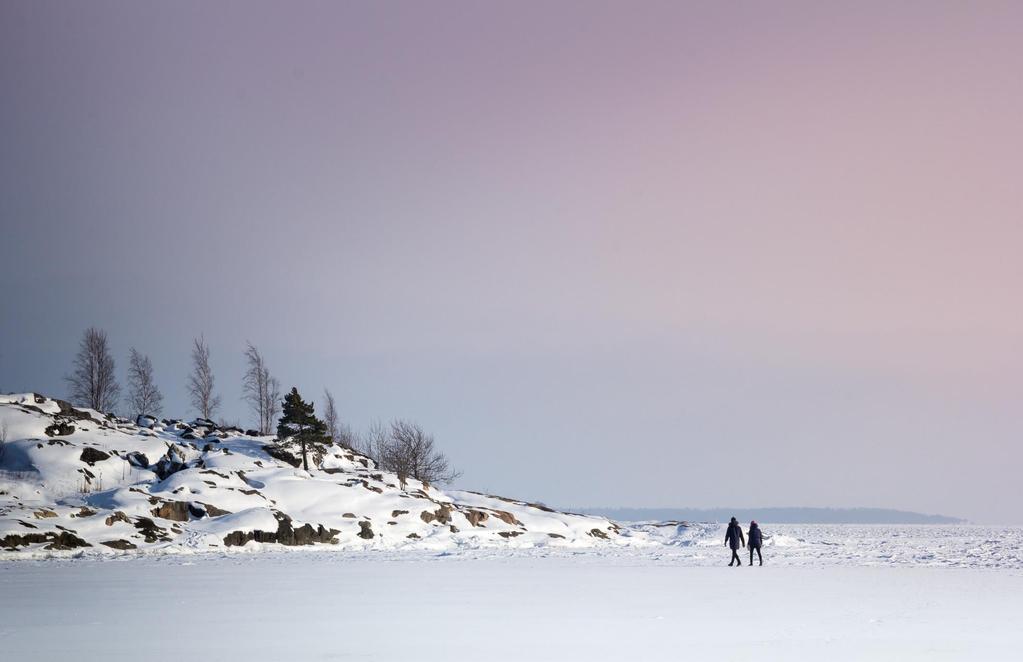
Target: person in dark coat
(734, 539)
(756, 541)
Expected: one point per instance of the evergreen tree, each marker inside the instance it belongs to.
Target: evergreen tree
(299, 422)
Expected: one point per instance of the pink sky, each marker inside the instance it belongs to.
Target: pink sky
(784, 236)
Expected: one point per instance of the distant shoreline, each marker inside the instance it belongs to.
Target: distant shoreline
(778, 515)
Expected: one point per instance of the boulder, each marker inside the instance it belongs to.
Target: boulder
(144, 421)
(92, 455)
(176, 511)
(59, 429)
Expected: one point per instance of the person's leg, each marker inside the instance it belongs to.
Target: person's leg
(759, 556)
(751, 548)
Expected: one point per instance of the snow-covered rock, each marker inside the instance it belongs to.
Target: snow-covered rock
(74, 480)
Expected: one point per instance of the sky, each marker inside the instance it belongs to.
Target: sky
(610, 254)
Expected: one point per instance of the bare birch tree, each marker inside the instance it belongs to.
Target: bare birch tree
(93, 383)
(261, 390)
(330, 417)
(144, 397)
(200, 382)
(409, 451)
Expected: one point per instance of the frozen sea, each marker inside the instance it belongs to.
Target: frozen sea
(825, 592)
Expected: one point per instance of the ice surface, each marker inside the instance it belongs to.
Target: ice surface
(497, 605)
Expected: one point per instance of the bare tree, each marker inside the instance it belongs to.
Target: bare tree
(261, 390)
(330, 417)
(200, 382)
(144, 397)
(93, 383)
(347, 437)
(374, 442)
(410, 452)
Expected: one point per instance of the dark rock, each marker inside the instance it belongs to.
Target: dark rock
(365, 531)
(118, 516)
(84, 512)
(555, 535)
(278, 453)
(144, 421)
(150, 530)
(122, 545)
(509, 534)
(597, 533)
(252, 433)
(507, 517)
(62, 541)
(349, 515)
(137, 459)
(395, 513)
(412, 535)
(475, 517)
(176, 511)
(91, 456)
(442, 515)
(170, 463)
(59, 429)
(213, 511)
(286, 534)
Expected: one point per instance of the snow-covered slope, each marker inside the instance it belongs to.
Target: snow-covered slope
(74, 480)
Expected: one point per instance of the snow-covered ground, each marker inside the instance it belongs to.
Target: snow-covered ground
(180, 541)
(490, 604)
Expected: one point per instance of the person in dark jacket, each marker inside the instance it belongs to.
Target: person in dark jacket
(734, 539)
(756, 541)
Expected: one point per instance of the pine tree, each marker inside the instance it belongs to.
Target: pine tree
(299, 422)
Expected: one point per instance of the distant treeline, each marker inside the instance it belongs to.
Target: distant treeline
(773, 515)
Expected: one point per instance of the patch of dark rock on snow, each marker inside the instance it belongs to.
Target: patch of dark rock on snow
(213, 511)
(395, 513)
(475, 517)
(279, 453)
(509, 534)
(137, 460)
(122, 545)
(63, 541)
(92, 455)
(150, 530)
(442, 515)
(286, 534)
(118, 516)
(59, 429)
(365, 530)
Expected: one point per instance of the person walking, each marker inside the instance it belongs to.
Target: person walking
(734, 539)
(756, 541)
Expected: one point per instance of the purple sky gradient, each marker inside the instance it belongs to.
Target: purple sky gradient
(610, 253)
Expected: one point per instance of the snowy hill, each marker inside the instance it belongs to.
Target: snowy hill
(74, 480)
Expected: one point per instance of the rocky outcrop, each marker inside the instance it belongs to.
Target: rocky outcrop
(56, 541)
(285, 534)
